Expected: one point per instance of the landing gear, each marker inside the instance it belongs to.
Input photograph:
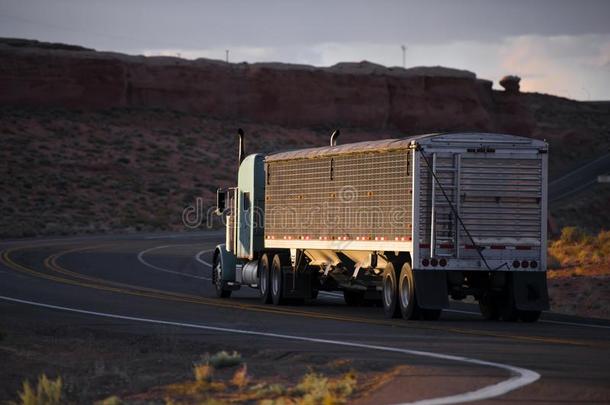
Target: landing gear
(220, 286)
(265, 280)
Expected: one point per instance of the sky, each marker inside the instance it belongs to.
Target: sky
(556, 46)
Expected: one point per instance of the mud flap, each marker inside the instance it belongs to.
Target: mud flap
(431, 289)
(530, 290)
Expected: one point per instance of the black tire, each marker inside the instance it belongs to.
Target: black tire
(277, 281)
(489, 307)
(391, 307)
(406, 293)
(508, 309)
(529, 316)
(264, 283)
(219, 285)
(353, 298)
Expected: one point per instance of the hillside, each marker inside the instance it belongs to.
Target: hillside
(96, 141)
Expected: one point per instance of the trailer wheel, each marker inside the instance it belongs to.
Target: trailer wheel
(353, 298)
(391, 307)
(277, 281)
(529, 316)
(508, 309)
(219, 284)
(265, 280)
(490, 310)
(406, 294)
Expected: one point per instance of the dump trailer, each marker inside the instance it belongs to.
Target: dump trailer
(410, 222)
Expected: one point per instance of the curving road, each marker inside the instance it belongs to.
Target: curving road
(163, 281)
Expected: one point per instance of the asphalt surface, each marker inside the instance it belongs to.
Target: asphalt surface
(162, 281)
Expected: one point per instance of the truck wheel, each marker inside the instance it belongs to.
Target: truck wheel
(406, 293)
(219, 284)
(508, 310)
(277, 281)
(529, 316)
(391, 308)
(489, 308)
(264, 281)
(353, 298)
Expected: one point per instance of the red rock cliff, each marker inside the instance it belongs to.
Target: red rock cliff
(347, 95)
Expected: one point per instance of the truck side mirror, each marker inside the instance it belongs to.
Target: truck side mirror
(221, 197)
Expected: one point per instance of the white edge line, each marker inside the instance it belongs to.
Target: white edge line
(521, 376)
(200, 260)
(152, 266)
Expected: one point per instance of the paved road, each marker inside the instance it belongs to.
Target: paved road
(163, 281)
(579, 179)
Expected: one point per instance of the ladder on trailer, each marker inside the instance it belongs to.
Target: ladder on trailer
(444, 226)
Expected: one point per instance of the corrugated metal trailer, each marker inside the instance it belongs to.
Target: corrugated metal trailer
(412, 221)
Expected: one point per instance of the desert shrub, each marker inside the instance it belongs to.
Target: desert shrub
(240, 377)
(203, 371)
(572, 234)
(576, 247)
(225, 359)
(47, 392)
(113, 400)
(313, 389)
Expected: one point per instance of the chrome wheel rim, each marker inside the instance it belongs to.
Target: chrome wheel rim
(276, 282)
(387, 290)
(218, 275)
(404, 292)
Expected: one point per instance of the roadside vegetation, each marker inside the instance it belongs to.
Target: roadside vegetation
(578, 249)
(579, 273)
(46, 392)
(240, 387)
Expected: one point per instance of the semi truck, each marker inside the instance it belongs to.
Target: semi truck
(410, 222)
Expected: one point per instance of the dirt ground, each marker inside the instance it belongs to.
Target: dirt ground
(96, 361)
(581, 290)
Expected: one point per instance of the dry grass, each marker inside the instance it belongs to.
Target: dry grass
(577, 249)
(47, 392)
(579, 271)
(210, 387)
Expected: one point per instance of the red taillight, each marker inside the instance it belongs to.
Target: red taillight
(443, 262)
(425, 262)
(516, 264)
(434, 262)
(525, 264)
(533, 264)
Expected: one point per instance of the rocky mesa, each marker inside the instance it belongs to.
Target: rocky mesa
(362, 95)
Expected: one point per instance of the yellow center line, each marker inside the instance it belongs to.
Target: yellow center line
(51, 263)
